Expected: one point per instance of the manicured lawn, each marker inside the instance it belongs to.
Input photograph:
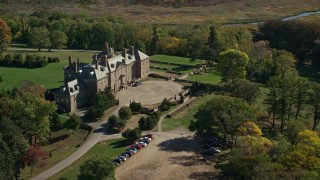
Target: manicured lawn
(111, 149)
(66, 142)
(173, 59)
(184, 118)
(50, 76)
(211, 77)
(181, 69)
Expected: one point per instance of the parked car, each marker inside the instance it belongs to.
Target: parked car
(129, 153)
(122, 158)
(132, 149)
(138, 146)
(125, 155)
(138, 83)
(117, 160)
(116, 164)
(148, 135)
(208, 153)
(142, 143)
(145, 140)
(217, 151)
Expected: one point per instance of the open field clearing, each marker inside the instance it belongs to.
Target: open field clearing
(218, 11)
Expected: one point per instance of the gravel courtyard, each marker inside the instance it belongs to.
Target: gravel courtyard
(149, 92)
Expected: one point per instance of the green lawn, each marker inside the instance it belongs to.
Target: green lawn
(50, 76)
(211, 77)
(181, 69)
(111, 149)
(184, 118)
(173, 59)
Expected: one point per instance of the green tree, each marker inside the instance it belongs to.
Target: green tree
(147, 123)
(97, 168)
(125, 113)
(115, 124)
(314, 101)
(221, 116)
(154, 44)
(135, 107)
(213, 46)
(232, 65)
(73, 122)
(6, 161)
(132, 134)
(243, 89)
(1, 79)
(40, 37)
(5, 35)
(294, 127)
(58, 39)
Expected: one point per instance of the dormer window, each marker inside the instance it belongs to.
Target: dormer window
(71, 89)
(112, 65)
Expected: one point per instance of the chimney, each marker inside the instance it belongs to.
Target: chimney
(123, 53)
(132, 50)
(106, 46)
(104, 61)
(75, 66)
(78, 61)
(70, 59)
(97, 65)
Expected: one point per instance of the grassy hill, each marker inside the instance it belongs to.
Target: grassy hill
(161, 11)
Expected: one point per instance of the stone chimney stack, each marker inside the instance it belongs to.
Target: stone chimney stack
(75, 66)
(132, 50)
(106, 46)
(70, 60)
(123, 53)
(97, 65)
(104, 61)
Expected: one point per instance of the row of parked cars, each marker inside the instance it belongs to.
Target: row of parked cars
(133, 149)
(210, 146)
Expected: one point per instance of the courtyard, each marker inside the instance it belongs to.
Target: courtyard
(149, 92)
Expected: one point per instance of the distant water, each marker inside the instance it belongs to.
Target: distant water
(283, 19)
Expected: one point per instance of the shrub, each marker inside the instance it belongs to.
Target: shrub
(135, 107)
(73, 122)
(132, 134)
(125, 113)
(165, 105)
(147, 123)
(115, 124)
(181, 100)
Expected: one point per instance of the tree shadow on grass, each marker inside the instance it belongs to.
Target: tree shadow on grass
(186, 144)
(122, 143)
(195, 160)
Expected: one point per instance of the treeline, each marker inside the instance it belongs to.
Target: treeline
(29, 61)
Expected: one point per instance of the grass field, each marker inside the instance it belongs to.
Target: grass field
(184, 118)
(50, 76)
(60, 149)
(173, 59)
(211, 77)
(109, 149)
(232, 11)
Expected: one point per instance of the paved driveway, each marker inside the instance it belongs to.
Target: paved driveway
(149, 92)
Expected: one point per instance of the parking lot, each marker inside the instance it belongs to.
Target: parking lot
(171, 155)
(149, 92)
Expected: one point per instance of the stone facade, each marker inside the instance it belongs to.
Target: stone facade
(108, 69)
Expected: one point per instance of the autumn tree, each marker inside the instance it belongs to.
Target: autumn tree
(5, 35)
(232, 65)
(97, 168)
(34, 156)
(40, 37)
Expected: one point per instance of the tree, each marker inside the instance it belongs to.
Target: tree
(213, 45)
(165, 105)
(58, 39)
(147, 123)
(34, 156)
(232, 65)
(125, 113)
(221, 116)
(97, 168)
(243, 89)
(115, 124)
(314, 101)
(294, 127)
(132, 134)
(1, 79)
(40, 37)
(154, 44)
(5, 35)
(6, 161)
(135, 107)
(73, 122)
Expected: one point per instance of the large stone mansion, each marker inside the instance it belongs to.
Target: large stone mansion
(108, 69)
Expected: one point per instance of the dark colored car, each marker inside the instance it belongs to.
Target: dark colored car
(117, 160)
(148, 135)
